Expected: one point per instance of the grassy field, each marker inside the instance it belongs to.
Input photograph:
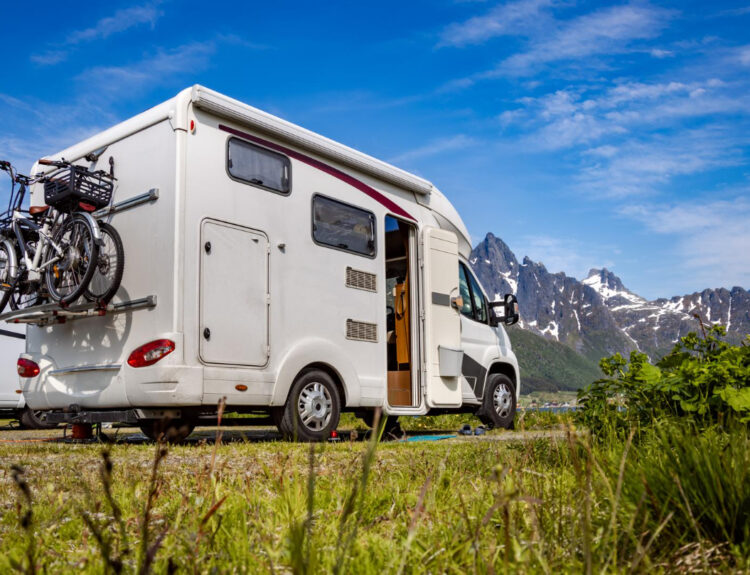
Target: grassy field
(505, 502)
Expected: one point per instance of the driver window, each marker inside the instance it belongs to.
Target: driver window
(480, 306)
(463, 286)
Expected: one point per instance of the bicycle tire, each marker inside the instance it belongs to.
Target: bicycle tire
(78, 263)
(110, 265)
(5, 276)
(23, 288)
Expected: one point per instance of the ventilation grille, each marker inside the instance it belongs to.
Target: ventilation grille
(361, 331)
(361, 280)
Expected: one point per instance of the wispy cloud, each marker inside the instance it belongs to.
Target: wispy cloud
(434, 148)
(567, 255)
(162, 67)
(604, 32)
(712, 239)
(121, 21)
(512, 18)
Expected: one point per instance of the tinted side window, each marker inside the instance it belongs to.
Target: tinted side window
(463, 287)
(480, 306)
(342, 226)
(258, 166)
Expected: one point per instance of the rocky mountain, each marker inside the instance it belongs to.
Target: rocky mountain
(599, 316)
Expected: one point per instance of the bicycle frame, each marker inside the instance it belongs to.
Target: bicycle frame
(34, 264)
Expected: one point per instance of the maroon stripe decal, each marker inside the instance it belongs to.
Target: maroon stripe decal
(330, 170)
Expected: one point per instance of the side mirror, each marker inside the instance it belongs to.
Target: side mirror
(509, 315)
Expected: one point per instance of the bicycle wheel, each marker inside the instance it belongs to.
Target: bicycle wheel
(6, 276)
(109, 267)
(26, 295)
(69, 277)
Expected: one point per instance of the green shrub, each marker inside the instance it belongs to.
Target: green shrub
(703, 379)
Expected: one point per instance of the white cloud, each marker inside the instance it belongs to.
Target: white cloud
(607, 31)
(434, 148)
(121, 21)
(157, 69)
(712, 239)
(565, 254)
(512, 18)
(642, 167)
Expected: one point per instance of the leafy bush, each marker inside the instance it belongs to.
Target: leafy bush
(703, 379)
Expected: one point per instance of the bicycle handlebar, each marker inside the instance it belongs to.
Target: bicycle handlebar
(44, 162)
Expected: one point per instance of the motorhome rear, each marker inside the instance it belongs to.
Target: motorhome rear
(275, 268)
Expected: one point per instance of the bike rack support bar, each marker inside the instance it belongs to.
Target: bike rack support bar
(51, 313)
(150, 196)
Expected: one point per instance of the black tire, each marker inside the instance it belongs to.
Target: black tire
(168, 430)
(25, 295)
(69, 278)
(391, 421)
(110, 264)
(312, 409)
(31, 419)
(6, 276)
(499, 402)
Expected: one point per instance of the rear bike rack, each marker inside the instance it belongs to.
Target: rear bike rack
(52, 313)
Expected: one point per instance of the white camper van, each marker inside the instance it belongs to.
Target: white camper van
(12, 404)
(273, 267)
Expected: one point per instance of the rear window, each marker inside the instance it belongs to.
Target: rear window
(258, 166)
(344, 227)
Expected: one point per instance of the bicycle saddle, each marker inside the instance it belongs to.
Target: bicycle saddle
(36, 210)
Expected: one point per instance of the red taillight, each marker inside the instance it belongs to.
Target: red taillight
(150, 353)
(27, 368)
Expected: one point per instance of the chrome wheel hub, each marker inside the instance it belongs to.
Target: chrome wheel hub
(314, 406)
(502, 400)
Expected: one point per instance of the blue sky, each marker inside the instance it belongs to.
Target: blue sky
(585, 134)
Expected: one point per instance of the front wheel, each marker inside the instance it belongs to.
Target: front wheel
(69, 277)
(499, 402)
(312, 409)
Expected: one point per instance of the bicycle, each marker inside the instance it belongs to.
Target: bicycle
(53, 247)
(76, 188)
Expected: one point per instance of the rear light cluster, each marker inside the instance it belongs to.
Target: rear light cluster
(27, 368)
(150, 353)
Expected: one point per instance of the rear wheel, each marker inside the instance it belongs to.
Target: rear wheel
(499, 403)
(109, 267)
(6, 275)
(69, 277)
(31, 419)
(313, 408)
(167, 430)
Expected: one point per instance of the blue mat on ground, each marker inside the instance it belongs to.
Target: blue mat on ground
(428, 437)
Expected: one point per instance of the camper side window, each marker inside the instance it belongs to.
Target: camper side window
(341, 226)
(258, 166)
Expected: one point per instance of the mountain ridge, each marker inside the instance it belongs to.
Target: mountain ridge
(599, 315)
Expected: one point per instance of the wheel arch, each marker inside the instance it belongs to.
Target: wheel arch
(330, 370)
(508, 370)
(315, 353)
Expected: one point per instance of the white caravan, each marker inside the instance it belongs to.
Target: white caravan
(273, 267)
(12, 403)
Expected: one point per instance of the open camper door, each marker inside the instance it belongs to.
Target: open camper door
(442, 322)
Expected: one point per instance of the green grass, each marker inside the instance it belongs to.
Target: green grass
(536, 504)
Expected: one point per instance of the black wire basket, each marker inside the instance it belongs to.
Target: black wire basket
(71, 185)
